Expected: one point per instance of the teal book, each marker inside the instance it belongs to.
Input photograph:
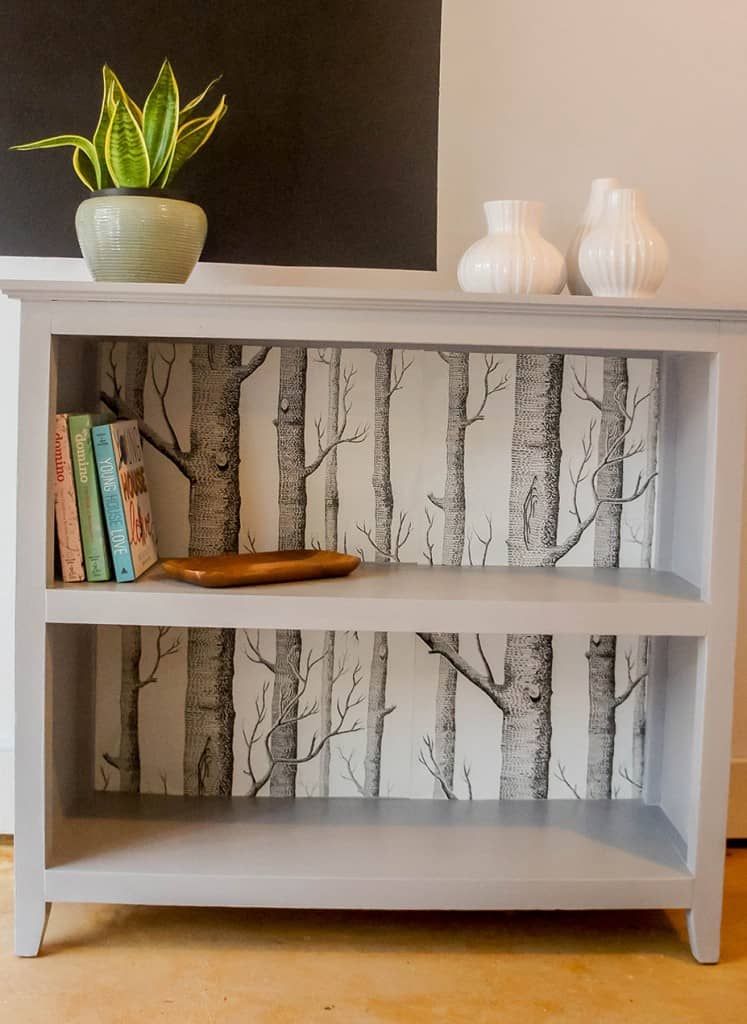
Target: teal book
(111, 497)
(90, 509)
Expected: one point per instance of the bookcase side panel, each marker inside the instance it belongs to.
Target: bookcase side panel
(33, 567)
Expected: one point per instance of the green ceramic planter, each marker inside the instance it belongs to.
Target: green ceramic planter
(131, 235)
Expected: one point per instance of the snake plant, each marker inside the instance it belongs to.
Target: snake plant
(134, 148)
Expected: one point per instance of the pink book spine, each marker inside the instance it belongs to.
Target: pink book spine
(66, 507)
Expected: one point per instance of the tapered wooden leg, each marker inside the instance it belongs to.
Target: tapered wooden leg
(31, 923)
(704, 930)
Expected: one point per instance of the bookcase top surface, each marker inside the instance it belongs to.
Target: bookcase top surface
(424, 301)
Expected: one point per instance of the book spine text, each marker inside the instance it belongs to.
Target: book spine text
(111, 497)
(90, 511)
(66, 507)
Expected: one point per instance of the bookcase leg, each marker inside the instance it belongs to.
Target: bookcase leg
(704, 930)
(31, 923)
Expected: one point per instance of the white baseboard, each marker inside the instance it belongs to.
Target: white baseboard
(6, 792)
(737, 828)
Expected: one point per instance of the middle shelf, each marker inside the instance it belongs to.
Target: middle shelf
(405, 598)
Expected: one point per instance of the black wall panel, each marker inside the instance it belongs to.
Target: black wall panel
(326, 157)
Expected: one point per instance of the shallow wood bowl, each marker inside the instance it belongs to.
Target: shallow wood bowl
(260, 567)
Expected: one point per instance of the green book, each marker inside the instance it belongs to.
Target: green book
(90, 509)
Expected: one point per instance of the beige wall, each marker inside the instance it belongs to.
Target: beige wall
(538, 98)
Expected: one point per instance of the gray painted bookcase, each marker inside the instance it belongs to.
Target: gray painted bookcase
(665, 850)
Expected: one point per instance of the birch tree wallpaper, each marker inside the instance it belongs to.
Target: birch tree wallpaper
(399, 456)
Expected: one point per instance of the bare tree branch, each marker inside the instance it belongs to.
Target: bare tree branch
(428, 553)
(489, 387)
(485, 541)
(105, 776)
(254, 654)
(398, 372)
(163, 650)
(113, 368)
(580, 388)
(402, 535)
(242, 372)
(633, 681)
(580, 475)
(561, 775)
(467, 774)
(250, 544)
(484, 681)
(624, 774)
(358, 435)
(350, 775)
(293, 711)
(162, 389)
(164, 783)
(182, 460)
(615, 452)
(635, 535)
(428, 761)
(302, 674)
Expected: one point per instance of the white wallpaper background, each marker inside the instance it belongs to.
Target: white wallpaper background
(418, 422)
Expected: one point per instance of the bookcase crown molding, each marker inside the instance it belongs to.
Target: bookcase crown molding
(363, 301)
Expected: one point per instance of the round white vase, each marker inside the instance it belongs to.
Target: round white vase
(513, 258)
(590, 219)
(624, 256)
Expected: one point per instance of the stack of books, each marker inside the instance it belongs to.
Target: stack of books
(102, 506)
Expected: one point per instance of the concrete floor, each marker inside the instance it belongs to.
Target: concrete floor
(125, 965)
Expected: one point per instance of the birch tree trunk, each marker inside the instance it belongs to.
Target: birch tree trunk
(601, 655)
(214, 510)
(291, 425)
(383, 513)
(331, 514)
(603, 649)
(533, 527)
(452, 552)
(649, 509)
(128, 762)
(527, 723)
(212, 467)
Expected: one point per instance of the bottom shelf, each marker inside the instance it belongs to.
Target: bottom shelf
(377, 854)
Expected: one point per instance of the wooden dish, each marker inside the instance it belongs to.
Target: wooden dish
(260, 567)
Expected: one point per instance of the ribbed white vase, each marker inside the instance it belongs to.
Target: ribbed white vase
(624, 256)
(590, 219)
(513, 258)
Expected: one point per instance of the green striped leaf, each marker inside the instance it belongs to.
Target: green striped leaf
(117, 94)
(84, 169)
(99, 135)
(197, 100)
(191, 138)
(57, 141)
(161, 119)
(126, 153)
